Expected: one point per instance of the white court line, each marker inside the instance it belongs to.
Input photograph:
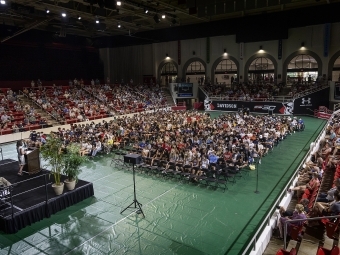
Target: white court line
(120, 220)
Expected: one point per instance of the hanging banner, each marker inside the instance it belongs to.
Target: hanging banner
(279, 52)
(241, 50)
(326, 39)
(208, 49)
(179, 52)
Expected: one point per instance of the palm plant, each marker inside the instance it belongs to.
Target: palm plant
(51, 152)
(72, 162)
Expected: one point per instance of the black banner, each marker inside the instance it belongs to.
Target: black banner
(311, 102)
(304, 105)
(259, 107)
(279, 52)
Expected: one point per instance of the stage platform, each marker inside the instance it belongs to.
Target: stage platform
(31, 202)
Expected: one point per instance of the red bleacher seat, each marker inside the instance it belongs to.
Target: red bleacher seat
(323, 251)
(284, 252)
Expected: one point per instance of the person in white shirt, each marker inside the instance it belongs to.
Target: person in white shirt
(97, 148)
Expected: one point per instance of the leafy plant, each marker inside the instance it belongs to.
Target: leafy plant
(52, 153)
(73, 161)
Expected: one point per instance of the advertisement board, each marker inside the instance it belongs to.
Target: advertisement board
(303, 105)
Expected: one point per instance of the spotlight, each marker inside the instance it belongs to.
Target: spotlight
(119, 3)
(47, 10)
(97, 21)
(146, 10)
(3, 2)
(163, 16)
(119, 25)
(79, 17)
(63, 14)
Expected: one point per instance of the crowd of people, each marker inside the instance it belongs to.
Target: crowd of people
(76, 103)
(190, 140)
(16, 116)
(314, 203)
(244, 91)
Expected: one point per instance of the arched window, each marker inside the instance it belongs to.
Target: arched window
(301, 63)
(302, 69)
(226, 66)
(169, 69)
(336, 70)
(195, 67)
(263, 65)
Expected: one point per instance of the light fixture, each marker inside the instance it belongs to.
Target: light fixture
(146, 10)
(167, 56)
(225, 52)
(47, 10)
(79, 18)
(302, 44)
(3, 2)
(260, 47)
(63, 14)
(119, 25)
(163, 16)
(97, 21)
(119, 3)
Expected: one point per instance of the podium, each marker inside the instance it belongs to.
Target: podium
(32, 160)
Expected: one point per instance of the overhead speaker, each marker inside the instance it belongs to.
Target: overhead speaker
(156, 18)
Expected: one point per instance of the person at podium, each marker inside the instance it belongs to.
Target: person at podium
(21, 156)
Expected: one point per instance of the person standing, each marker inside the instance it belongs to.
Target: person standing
(21, 156)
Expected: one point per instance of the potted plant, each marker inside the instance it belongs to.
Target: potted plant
(73, 161)
(52, 153)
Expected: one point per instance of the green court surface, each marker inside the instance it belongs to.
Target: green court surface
(181, 218)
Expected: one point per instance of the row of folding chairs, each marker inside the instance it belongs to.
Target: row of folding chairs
(213, 177)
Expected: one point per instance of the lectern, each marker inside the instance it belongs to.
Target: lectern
(32, 160)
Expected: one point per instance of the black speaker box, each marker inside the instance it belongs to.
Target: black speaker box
(133, 159)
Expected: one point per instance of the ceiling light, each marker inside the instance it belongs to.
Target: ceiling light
(79, 17)
(47, 10)
(119, 3)
(146, 10)
(119, 25)
(97, 21)
(3, 2)
(63, 14)
(163, 16)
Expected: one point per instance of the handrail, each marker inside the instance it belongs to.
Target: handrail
(309, 91)
(38, 106)
(172, 94)
(285, 225)
(267, 218)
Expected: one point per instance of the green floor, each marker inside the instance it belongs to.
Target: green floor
(180, 218)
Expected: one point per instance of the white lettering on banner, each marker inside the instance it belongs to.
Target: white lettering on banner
(265, 107)
(306, 101)
(233, 106)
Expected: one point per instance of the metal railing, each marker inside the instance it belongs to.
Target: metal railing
(309, 91)
(12, 186)
(285, 226)
(35, 103)
(269, 215)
